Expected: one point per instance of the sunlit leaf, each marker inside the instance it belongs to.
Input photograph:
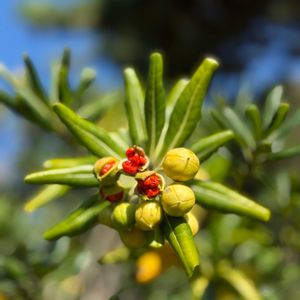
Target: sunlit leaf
(94, 138)
(155, 101)
(180, 237)
(253, 115)
(34, 79)
(217, 196)
(81, 176)
(205, 147)
(187, 111)
(134, 104)
(80, 220)
(58, 163)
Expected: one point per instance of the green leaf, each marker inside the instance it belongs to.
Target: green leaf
(272, 104)
(134, 103)
(87, 77)
(34, 79)
(180, 237)
(45, 195)
(39, 111)
(119, 140)
(155, 105)
(81, 176)
(64, 91)
(94, 138)
(242, 133)
(199, 286)
(175, 93)
(215, 195)
(290, 124)
(79, 221)
(97, 108)
(9, 101)
(58, 163)
(278, 118)
(187, 110)
(239, 281)
(253, 115)
(207, 146)
(286, 153)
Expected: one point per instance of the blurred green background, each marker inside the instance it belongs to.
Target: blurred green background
(257, 43)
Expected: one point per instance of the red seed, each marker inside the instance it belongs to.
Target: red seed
(151, 193)
(129, 168)
(115, 198)
(107, 167)
(130, 152)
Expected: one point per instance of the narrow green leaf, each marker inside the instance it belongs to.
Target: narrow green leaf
(94, 138)
(272, 103)
(187, 111)
(45, 195)
(205, 147)
(278, 118)
(175, 93)
(180, 237)
(290, 124)
(97, 108)
(79, 221)
(241, 131)
(9, 101)
(215, 195)
(239, 281)
(87, 77)
(59, 163)
(54, 93)
(134, 103)
(65, 94)
(286, 153)
(253, 115)
(34, 79)
(219, 119)
(81, 176)
(155, 105)
(37, 108)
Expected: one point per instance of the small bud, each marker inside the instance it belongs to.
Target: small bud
(136, 161)
(149, 185)
(177, 200)
(106, 170)
(113, 193)
(123, 216)
(181, 164)
(133, 238)
(148, 215)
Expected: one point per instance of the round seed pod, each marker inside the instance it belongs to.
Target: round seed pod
(148, 215)
(133, 238)
(177, 200)
(193, 222)
(181, 164)
(106, 170)
(123, 215)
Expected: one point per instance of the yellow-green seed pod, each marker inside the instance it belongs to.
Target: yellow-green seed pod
(193, 222)
(148, 215)
(177, 200)
(180, 164)
(106, 170)
(123, 215)
(133, 238)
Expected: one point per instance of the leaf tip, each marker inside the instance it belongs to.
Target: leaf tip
(211, 62)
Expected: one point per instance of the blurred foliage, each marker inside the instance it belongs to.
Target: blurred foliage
(182, 30)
